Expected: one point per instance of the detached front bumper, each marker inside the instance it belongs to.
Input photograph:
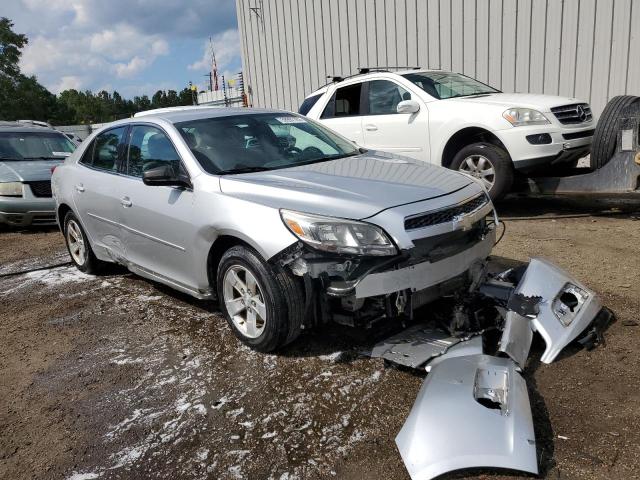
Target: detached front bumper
(473, 409)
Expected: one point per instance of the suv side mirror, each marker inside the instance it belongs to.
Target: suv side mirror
(408, 106)
(165, 175)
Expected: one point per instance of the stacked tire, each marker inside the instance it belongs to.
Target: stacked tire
(606, 135)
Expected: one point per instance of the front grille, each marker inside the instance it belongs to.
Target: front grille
(573, 114)
(445, 215)
(41, 188)
(583, 134)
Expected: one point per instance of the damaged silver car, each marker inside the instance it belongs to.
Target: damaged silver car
(291, 227)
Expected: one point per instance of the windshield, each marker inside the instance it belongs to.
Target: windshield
(443, 85)
(34, 146)
(265, 141)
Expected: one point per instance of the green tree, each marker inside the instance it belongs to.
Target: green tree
(10, 45)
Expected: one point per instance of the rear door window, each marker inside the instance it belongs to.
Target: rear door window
(344, 103)
(107, 147)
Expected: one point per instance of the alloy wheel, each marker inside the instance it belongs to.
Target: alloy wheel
(244, 301)
(480, 167)
(75, 240)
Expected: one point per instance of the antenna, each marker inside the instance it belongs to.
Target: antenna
(214, 67)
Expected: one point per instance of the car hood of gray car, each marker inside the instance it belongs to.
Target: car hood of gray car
(353, 187)
(27, 170)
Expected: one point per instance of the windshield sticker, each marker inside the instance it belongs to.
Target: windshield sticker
(287, 120)
(60, 154)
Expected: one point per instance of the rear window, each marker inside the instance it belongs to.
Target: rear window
(308, 104)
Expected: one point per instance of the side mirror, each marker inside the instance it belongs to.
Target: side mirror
(165, 175)
(408, 106)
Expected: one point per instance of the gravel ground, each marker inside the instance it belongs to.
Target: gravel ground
(117, 377)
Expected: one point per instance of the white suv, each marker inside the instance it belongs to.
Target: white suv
(453, 120)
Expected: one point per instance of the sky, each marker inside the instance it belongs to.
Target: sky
(133, 46)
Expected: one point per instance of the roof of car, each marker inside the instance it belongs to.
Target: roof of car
(183, 114)
(372, 72)
(24, 127)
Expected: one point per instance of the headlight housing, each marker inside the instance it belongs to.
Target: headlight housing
(10, 189)
(338, 235)
(524, 116)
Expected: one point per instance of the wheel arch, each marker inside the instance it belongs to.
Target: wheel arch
(61, 212)
(467, 136)
(220, 245)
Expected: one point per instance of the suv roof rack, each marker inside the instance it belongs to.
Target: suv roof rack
(364, 70)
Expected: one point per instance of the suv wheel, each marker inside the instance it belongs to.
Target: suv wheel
(78, 245)
(263, 304)
(489, 163)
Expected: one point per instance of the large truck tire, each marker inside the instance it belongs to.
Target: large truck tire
(605, 137)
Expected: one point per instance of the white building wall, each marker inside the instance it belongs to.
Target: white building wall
(588, 49)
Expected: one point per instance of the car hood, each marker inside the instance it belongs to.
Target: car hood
(27, 171)
(542, 103)
(354, 187)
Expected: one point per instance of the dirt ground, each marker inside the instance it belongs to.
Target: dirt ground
(117, 377)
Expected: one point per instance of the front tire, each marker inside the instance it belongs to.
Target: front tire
(490, 164)
(263, 304)
(79, 247)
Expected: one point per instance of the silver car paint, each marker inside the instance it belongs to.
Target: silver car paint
(516, 337)
(544, 279)
(425, 274)
(244, 206)
(448, 429)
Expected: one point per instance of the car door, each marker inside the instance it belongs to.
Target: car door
(342, 112)
(387, 130)
(156, 224)
(96, 190)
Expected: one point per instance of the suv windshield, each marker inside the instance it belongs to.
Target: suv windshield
(34, 146)
(265, 141)
(443, 85)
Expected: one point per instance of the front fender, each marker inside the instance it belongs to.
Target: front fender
(472, 411)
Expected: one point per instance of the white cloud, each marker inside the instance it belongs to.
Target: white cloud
(120, 51)
(227, 49)
(68, 82)
(90, 43)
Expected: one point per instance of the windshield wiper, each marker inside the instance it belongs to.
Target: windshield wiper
(243, 170)
(50, 157)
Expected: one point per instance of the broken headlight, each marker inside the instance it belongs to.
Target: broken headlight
(338, 235)
(568, 302)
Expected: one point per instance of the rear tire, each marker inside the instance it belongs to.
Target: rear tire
(605, 136)
(79, 247)
(479, 160)
(263, 304)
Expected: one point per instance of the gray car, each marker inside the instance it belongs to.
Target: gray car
(291, 227)
(27, 155)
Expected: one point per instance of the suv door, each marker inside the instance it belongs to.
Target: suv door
(158, 233)
(387, 130)
(342, 112)
(96, 191)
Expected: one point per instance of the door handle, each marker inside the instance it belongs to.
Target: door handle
(80, 188)
(370, 128)
(125, 202)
